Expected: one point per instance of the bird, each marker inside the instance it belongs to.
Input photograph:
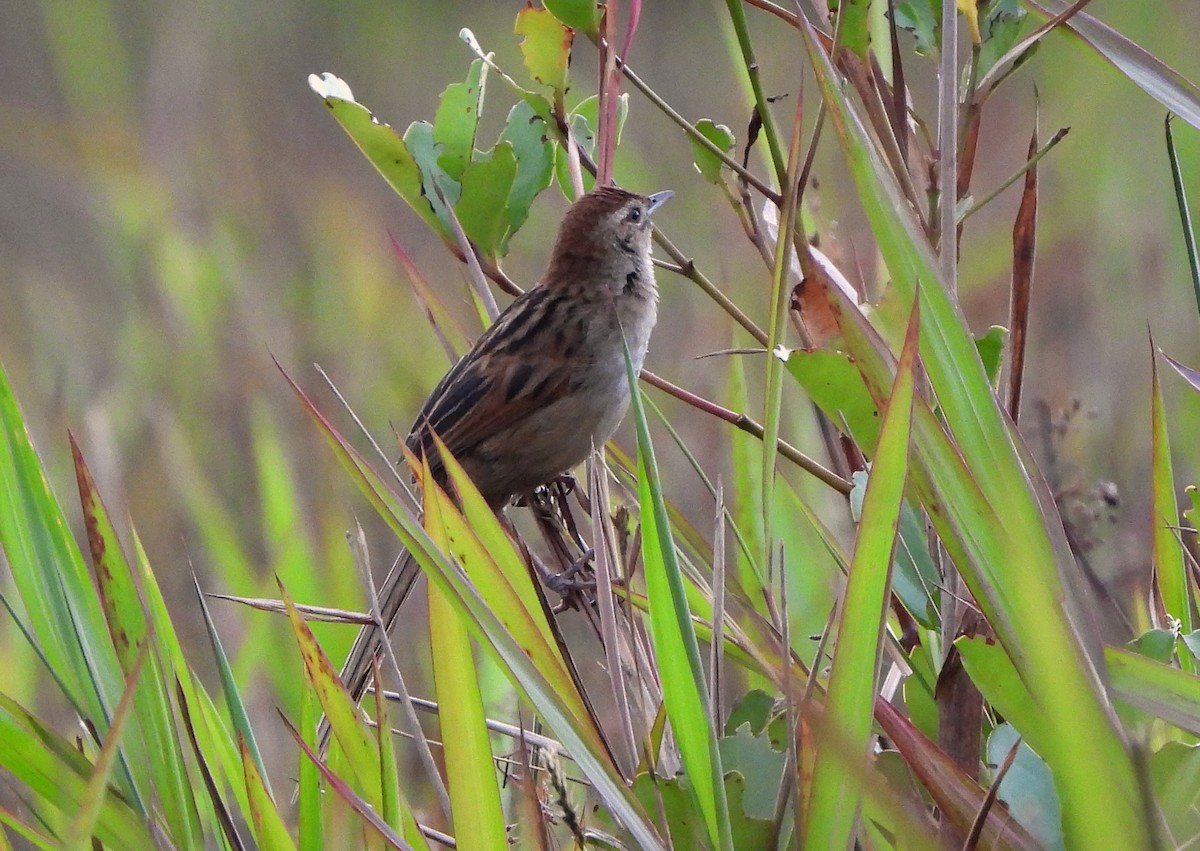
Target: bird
(544, 384)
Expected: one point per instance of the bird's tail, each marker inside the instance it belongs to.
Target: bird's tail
(356, 673)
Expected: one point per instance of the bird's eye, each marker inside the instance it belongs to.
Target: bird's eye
(635, 215)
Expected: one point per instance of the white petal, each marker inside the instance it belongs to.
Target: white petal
(330, 86)
(782, 352)
(472, 42)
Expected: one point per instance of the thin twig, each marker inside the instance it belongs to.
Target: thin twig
(696, 135)
(1030, 163)
(744, 423)
(688, 270)
(387, 462)
(471, 257)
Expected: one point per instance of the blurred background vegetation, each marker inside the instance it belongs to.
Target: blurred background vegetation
(176, 207)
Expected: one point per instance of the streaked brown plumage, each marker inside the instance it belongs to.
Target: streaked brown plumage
(546, 382)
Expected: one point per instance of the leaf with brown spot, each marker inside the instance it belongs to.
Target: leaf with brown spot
(367, 811)
(118, 593)
(346, 719)
(810, 299)
(153, 758)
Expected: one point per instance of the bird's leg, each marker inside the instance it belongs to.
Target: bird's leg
(574, 583)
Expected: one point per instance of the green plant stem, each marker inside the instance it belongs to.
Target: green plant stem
(751, 427)
(1030, 163)
(778, 11)
(687, 268)
(1185, 215)
(696, 135)
(737, 16)
(944, 223)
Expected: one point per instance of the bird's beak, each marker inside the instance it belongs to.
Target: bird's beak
(658, 199)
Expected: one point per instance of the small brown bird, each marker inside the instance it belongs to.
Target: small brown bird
(546, 382)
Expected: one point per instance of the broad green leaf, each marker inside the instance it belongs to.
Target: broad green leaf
(1156, 644)
(456, 121)
(672, 797)
(582, 120)
(1001, 27)
(381, 145)
(755, 708)
(546, 47)
(708, 164)
(582, 15)
(418, 139)
(482, 206)
(529, 137)
(1175, 775)
(1027, 788)
(753, 755)
(915, 577)
(922, 18)
(834, 383)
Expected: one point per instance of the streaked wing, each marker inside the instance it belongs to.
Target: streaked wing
(513, 371)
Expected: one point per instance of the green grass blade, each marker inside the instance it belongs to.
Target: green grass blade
(1174, 578)
(1144, 69)
(346, 719)
(680, 668)
(396, 810)
(151, 753)
(269, 829)
(575, 733)
(1162, 690)
(83, 825)
(53, 585)
(233, 697)
(470, 772)
(1185, 212)
(367, 813)
(50, 767)
(1014, 565)
(863, 620)
(309, 821)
